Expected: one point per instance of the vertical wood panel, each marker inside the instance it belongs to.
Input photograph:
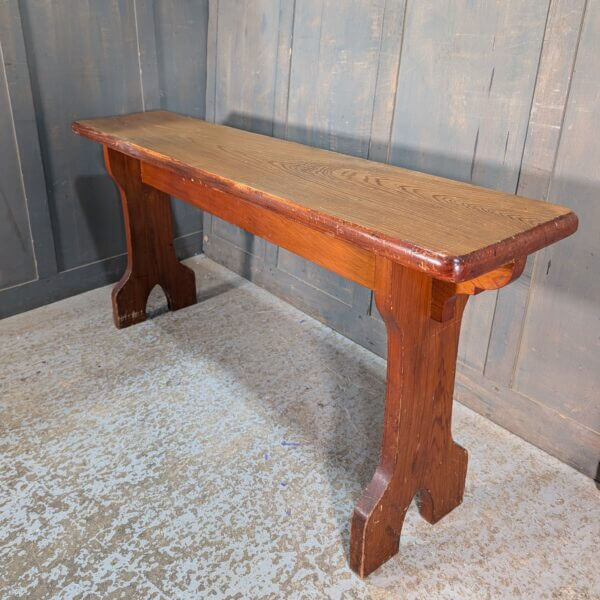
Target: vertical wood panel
(211, 59)
(384, 102)
(464, 92)
(246, 70)
(145, 29)
(181, 30)
(245, 47)
(83, 57)
(284, 56)
(16, 259)
(334, 73)
(558, 360)
(541, 145)
(287, 10)
(26, 136)
(332, 87)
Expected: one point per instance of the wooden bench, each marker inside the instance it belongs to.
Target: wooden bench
(424, 244)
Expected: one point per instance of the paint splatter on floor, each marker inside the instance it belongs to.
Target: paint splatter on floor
(217, 452)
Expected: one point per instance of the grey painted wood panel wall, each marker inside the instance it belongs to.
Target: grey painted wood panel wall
(60, 218)
(504, 94)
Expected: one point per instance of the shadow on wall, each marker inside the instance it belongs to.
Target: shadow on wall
(442, 165)
(94, 193)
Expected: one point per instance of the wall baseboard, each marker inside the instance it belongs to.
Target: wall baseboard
(554, 433)
(39, 292)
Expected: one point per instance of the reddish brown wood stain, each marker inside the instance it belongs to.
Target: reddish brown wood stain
(150, 255)
(423, 244)
(418, 453)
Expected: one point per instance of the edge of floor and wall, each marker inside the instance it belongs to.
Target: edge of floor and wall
(348, 309)
(36, 293)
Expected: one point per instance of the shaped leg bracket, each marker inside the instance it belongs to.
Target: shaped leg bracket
(151, 257)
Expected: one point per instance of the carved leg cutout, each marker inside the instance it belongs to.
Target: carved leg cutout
(151, 257)
(418, 454)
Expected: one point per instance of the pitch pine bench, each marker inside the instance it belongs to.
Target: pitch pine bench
(423, 244)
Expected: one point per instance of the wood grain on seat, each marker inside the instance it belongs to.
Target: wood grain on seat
(450, 230)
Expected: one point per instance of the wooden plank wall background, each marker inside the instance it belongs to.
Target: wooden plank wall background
(505, 94)
(61, 230)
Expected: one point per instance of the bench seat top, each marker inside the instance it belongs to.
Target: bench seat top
(449, 229)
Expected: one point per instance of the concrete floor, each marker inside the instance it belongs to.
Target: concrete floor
(217, 452)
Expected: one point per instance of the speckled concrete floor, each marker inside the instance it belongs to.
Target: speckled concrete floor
(217, 452)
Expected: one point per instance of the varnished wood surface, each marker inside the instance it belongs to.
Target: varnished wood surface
(418, 454)
(151, 257)
(421, 310)
(451, 230)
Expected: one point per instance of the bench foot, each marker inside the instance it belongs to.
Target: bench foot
(151, 257)
(418, 456)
